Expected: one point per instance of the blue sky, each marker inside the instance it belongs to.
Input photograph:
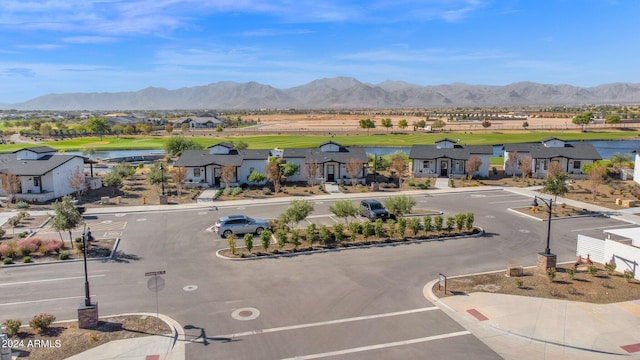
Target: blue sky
(61, 46)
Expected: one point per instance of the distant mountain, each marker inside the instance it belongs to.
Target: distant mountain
(337, 93)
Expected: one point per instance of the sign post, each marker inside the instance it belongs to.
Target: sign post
(442, 282)
(155, 284)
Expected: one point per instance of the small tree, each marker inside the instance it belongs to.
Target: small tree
(596, 176)
(461, 220)
(227, 173)
(555, 182)
(310, 234)
(414, 225)
(402, 227)
(273, 173)
(66, 217)
(231, 243)
(10, 185)
(387, 123)
(76, 182)
(354, 229)
(378, 228)
(470, 219)
(281, 237)
(402, 124)
(367, 124)
(338, 232)
(265, 239)
(295, 238)
(438, 222)
(399, 165)
(168, 128)
(472, 165)
(367, 229)
(399, 205)
(427, 223)
(157, 177)
(512, 163)
(297, 211)
(311, 172)
(583, 119)
(344, 209)
(178, 175)
(323, 234)
(98, 125)
(451, 221)
(256, 177)
(248, 242)
(525, 166)
(354, 167)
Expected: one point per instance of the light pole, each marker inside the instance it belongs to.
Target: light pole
(162, 177)
(85, 239)
(546, 260)
(87, 312)
(549, 204)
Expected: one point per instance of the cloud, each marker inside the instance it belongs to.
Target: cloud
(44, 47)
(89, 39)
(21, 72)
(423, 55)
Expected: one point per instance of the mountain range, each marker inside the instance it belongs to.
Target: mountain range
(337, 93)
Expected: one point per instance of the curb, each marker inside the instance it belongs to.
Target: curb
(102, 258)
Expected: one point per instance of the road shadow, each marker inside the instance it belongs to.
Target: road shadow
(202, 336)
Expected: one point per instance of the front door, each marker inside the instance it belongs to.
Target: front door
(444, 168)
(331, 173)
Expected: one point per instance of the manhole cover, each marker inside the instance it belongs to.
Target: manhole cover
(190, 288)
(245, 314)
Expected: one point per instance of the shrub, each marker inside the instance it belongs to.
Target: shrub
(295, 238)
(248, 241)
(519, 283)
(628, 275)
(572, 273)
(21, 205)
(5, 250)
(236, 191)
(610, 267)
(451, 221)
(41, 322)
(323, 234)
(23, 234)
(338, 232)
(53, 245)
(265, 239)
(11, 327)
(367, 229)
(437, 223)
(378, 228)
(461, 221)
(310, 233)
(7, 261)
(402, 227)
(354, 229)
(28, 246)
(281, 237)
(231, 242)
(414, 225)
(392, 227)
(427, 223)
(592, 270)
(218, 193)
(551, 274)
(470, 220)
(63, 255)
(26, 259)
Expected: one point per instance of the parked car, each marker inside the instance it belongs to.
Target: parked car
(373, 209)
(239, 224)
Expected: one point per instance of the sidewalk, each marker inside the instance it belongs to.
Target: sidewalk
(528, 328)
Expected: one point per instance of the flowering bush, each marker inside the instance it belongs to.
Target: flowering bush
(28, 245)
(52, 246)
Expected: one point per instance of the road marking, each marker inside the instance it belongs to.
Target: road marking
(330, 322)
(505, 202)
(48, 280)
(600, 227)
(381, 346)
(43, 300)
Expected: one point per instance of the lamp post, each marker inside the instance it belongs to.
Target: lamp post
(87, 312)
(85, 239)
(546, 259)
(162, 177)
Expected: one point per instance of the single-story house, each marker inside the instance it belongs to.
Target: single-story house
(204, 121)
(43, 174)
(571, 156)
(623, 249)
(446, 158)
(204, 167)
(332, 161)
(636, 167)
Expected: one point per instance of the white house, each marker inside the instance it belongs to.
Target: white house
(44, 175)
(571, 156)
(623, 249)
(446, 158)
(636, 168)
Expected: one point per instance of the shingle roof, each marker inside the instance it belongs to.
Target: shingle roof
(316, 155)
(38, 149)
(579, 150)
(458, 152)
(193, 158)
(9, 164)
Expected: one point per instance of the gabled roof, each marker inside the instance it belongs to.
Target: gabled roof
(225, 144)
(38, 149)
(316, 155)
(458, 152)
(193, 158)
(9, 164)
(579, 150)
(446, 139)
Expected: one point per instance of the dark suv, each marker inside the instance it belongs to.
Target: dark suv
(373, 209)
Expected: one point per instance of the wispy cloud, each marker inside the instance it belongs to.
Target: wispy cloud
(423, 55)
(274, 32)
(43, 47)
(89, 39)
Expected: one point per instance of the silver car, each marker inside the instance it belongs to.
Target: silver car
(239, 224)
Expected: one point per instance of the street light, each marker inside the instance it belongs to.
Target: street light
(549, 204)
(86, 237)
(162, 177)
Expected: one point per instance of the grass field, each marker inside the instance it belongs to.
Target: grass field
(300, 141)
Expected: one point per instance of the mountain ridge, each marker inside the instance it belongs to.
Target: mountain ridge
(336, 93)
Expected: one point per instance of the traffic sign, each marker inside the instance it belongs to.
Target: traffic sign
(154, 273)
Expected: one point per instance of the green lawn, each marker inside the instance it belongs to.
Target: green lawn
(299, 141)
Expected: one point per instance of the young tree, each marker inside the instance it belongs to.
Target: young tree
(168, 128)
(619, 161)
(76, 182)
(344, 209)
(402, 124)
(311, 172)
(438, 222)
(65, 217)
(399, 205)
(438, 124)
(471, 166)
(525, 166)
(486, 124)
(184, 128)
(414, 225)
(596, 176)
(248, 242)
(512, 163)
(555, 182)
(240, 145)
(98, 125)
(367, 124)
(289, 169)
(387, 123)
(157, 177)
(297, 211)
(272, 172)
(10, 185)
(354, 167)
(399, 165)
(583, 119)
(227, 173)
(525, 124)
(175, 146)
(265, 239)
(256, 177)
(178, 175)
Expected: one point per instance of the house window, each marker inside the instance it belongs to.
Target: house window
(196, 172)
(576, 164)
(426, 163)
(36, 181)
(251, 170)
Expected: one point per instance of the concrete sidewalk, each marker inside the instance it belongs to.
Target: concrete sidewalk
(521, 327)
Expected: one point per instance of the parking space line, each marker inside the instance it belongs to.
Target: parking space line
(381, 346)
(48, 280)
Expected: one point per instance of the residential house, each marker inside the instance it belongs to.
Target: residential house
(447, 158)
(571, 156)
(204, 167)
(44, 175)
(331, 160)
(636, 167)
(204, 121)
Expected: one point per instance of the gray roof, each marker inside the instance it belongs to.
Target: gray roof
(192, 158)
(9, 164)
(316, 155)
(579, 150)
(458, 152)
(38, 149)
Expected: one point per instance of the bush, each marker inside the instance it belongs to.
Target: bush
(11, 327)
(265, 239)
(310, 233)
(519, 283)
(21, 205)
(7, 261)
(281, 237)
(628, 275)
(218, 193)
(28, 246)
(324, 234)
(610, 267)
(235, 191)
(231, 242)
(26, 259)
(572, 273)
(41, 322)
(551, 274)
(23, 234)
(592, 270)
(52, 246)
(63, 255)
(2, 232)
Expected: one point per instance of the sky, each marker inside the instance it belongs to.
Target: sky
(69, 46)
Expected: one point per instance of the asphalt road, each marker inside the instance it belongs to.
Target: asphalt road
(356, 303)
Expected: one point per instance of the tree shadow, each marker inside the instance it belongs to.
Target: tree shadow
(202, 336)
(123, 257)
